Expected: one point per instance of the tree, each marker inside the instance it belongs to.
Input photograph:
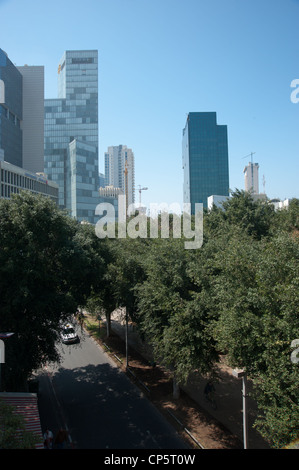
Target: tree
(253, 216)
(13, 434)
(287, 219)
(169, 314)
(257, 296)
(102, 298)
(44, 275)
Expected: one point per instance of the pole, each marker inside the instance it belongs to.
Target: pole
(127, 346)
(245, 427)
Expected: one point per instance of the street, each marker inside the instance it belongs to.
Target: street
(96, 402)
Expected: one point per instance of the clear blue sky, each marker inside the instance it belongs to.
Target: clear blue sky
(159, 60)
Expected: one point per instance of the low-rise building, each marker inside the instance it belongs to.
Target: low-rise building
(14, 179)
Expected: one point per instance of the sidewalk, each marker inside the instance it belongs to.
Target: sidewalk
(228, 390)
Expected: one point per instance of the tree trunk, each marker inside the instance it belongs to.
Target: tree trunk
(108, 323)
(176, 388)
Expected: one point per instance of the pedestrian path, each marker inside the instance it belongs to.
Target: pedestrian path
(228, 391)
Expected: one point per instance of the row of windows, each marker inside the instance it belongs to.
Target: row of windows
(69, 120)
(10, 116)
(77, 130)
(7, 190)
(83, 60)
(78, 112)
(23, 182)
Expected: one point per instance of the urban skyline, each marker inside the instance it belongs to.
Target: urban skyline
(147, 87)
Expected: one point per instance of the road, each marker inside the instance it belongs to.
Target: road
(97, 403)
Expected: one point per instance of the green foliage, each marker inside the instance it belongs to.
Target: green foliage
(47, 265)
(171, 319)
(255, 217)
(13, 434)
(237, 295)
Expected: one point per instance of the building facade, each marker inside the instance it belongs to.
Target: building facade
(120, 170)
(71, 134)
(14, 179)
(251, 177)
(33, 117)
(22, 115)
(11, 113)
(205, 158)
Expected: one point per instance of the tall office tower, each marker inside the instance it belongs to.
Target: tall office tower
(120, 170)
(22, 115)
(33, 118)
(71, 134)
(101, 180)
(10, 111)
(205, 158)
(251, 176)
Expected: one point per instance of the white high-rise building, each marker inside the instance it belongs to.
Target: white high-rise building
(120, 170)
(251, 174)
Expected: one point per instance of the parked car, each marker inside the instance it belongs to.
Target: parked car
(68, 334)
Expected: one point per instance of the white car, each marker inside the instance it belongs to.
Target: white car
(68, 334)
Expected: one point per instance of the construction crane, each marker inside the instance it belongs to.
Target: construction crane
(126, 186)
(250, 155)
(141, 189)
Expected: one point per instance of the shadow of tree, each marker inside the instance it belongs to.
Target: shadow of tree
(105, 410)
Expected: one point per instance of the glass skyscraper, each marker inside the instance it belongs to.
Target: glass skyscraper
(22, 115)
(11, 112)
(71, 134)
(205, 158)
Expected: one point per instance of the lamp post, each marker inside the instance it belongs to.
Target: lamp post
(127, 339)
(240, 373)
(3, 336)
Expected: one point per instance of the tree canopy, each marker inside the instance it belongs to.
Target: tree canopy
(48, 263)
(237, 295)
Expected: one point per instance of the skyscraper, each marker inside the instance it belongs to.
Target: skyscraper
(33, 117)
(205, 158)
(11, 112)
(120, 170)
(22, 115)
(22, 130)
(71, 134)
(251, 177)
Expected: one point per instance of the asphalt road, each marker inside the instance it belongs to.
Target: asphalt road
(99, 406)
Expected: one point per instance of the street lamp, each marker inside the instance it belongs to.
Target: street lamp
(3, 336)
(240, 373)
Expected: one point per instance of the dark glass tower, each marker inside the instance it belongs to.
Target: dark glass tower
(205, 158)
(11, 112)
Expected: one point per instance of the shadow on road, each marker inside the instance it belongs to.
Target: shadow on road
(103, 409)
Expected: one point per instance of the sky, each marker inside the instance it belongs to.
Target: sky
(160, 60)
